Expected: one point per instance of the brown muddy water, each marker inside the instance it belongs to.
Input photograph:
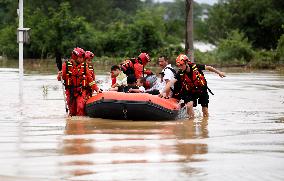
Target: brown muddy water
(243, 139)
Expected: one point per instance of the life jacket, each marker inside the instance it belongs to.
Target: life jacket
(91, 68)
(191, 82)
(128, 66)
(73, 73)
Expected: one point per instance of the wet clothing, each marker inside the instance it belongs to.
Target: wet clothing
(202, 98)
(77, 80)
(192, 86)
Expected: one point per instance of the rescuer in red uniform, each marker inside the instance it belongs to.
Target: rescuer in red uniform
(77, 79)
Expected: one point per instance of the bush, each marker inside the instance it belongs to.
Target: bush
(280, 48)
(208, 58)
(264, 59)
(8, 42)
(235, 48)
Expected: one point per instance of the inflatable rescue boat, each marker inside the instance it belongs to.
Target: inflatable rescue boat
(131, 106)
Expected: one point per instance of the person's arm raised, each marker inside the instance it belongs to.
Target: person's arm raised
(212, 69)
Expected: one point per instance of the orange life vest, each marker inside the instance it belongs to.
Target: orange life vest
(76, 75)
(128, 66)
(91, 68)
(193, 81)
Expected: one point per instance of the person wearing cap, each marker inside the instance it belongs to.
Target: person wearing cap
(190, 84)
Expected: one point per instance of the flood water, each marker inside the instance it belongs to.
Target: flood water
(243, 139)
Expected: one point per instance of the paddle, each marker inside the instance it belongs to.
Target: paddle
(59, 66)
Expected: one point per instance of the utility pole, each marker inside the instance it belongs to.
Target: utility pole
(189, 29)
(23, 37)
(21, 45)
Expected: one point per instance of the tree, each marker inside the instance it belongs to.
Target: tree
(260, 21)
(189, 28)
(235, 47)
(7, 12)
(280, 47)
(56, 33)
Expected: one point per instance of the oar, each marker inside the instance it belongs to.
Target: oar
(59, 66)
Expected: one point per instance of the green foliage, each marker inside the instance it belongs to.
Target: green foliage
(208, 58)
(144, 33)
(59, 31)
(8, 41)
(7, 12)
(109, 28)
(280, 48)
(147, 30)
(236, 47)
(123, 28)
(260, 21)
(263, 59)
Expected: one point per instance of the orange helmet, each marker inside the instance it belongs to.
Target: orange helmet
(89, 55)
(182, 59)
(77, 52)
(144, 58)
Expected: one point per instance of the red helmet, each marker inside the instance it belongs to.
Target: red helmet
(89, 55)
(182, 59)
(77, 52)
(144, 58)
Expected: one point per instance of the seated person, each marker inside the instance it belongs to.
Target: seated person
(140, 82)
(131, 84)
(120, 77)
(158, 85)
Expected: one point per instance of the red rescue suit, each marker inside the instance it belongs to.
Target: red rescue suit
(77, 80)
(92, 73)
(135, 66)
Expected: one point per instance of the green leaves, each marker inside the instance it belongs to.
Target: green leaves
(280, 47)
(235, 47)
(8, 41)
(58, 30)
(259, 20)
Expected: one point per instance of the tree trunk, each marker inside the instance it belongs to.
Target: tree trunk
(189, 29)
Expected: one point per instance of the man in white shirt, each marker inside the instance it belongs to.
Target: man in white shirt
(167, 74)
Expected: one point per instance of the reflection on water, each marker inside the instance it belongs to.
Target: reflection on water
(242, 139)
(118, 146)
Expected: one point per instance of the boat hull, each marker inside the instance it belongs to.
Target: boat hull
(131, 106)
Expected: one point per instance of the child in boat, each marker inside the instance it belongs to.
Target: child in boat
(120, 77)
(140, 82)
